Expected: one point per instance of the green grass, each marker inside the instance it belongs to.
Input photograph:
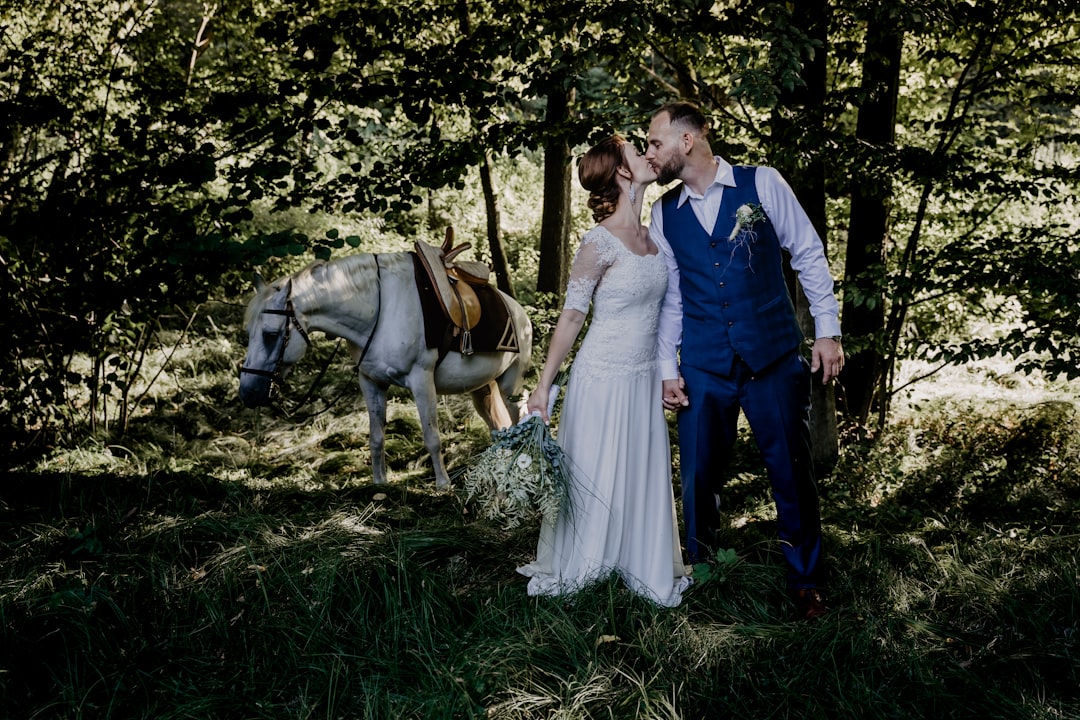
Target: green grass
(221, 563)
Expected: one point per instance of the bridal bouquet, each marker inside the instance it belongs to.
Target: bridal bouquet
(522, 472)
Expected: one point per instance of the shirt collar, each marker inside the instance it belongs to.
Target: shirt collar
(725, 177)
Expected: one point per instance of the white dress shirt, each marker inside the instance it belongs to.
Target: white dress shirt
(793, 228)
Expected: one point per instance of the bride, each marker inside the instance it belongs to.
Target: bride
(621, 516)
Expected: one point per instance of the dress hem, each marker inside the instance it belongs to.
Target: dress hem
(543, 584)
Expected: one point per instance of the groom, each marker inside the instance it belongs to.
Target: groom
(722, 230)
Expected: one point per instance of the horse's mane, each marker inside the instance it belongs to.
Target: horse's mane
(264, 293)
(341, 279)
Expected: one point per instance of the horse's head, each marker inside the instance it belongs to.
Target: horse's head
(277, 339)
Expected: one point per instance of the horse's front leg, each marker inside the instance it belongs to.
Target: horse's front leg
(427, 405)
(375, 399)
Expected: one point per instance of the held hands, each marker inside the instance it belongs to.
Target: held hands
(828, 355)
(674, 395)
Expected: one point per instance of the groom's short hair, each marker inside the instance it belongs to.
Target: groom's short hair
(686, 114)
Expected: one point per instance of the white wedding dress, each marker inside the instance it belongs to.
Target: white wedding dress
(612, 427)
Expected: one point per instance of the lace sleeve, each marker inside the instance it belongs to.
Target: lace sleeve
(592, 259)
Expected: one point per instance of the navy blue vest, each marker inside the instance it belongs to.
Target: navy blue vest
(735, 300)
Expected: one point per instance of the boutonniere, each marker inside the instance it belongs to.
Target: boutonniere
(746, 217)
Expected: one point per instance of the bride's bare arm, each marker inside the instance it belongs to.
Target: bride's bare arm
(562, 339)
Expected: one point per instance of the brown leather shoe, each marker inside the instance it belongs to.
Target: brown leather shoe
(810, 604)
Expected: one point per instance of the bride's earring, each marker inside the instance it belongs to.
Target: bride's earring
(633, 193)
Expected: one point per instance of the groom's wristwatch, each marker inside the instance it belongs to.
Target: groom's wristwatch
(834, 338)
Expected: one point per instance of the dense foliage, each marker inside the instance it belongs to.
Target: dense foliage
(154, 153)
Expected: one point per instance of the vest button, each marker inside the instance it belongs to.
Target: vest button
(731, 323)
(722, 284)
(717, 265)
(712, 244)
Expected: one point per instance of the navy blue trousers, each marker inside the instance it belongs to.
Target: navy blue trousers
(776, 403)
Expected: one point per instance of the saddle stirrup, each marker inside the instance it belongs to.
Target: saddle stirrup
(466, 333)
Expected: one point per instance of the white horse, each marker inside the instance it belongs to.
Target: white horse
(372, 302)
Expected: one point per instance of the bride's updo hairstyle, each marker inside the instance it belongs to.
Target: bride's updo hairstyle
(596, 171)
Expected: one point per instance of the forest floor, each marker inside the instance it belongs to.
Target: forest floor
(223, 562)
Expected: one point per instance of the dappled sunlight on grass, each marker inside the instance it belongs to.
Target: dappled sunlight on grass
(988, 380)
(85, 460)
(238, 557)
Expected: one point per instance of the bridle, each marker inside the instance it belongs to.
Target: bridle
(275, 375)
(277, 380)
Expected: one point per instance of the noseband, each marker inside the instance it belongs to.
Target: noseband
(276, 378)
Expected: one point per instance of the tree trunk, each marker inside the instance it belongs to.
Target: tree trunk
(798, 124)
(868, 229)
(494, 228)
(491, 201)
(555, 223)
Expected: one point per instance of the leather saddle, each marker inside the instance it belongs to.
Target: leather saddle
(454, 281)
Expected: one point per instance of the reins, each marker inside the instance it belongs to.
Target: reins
(378, 309)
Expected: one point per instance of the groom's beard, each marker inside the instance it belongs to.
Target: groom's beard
(671, 171)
